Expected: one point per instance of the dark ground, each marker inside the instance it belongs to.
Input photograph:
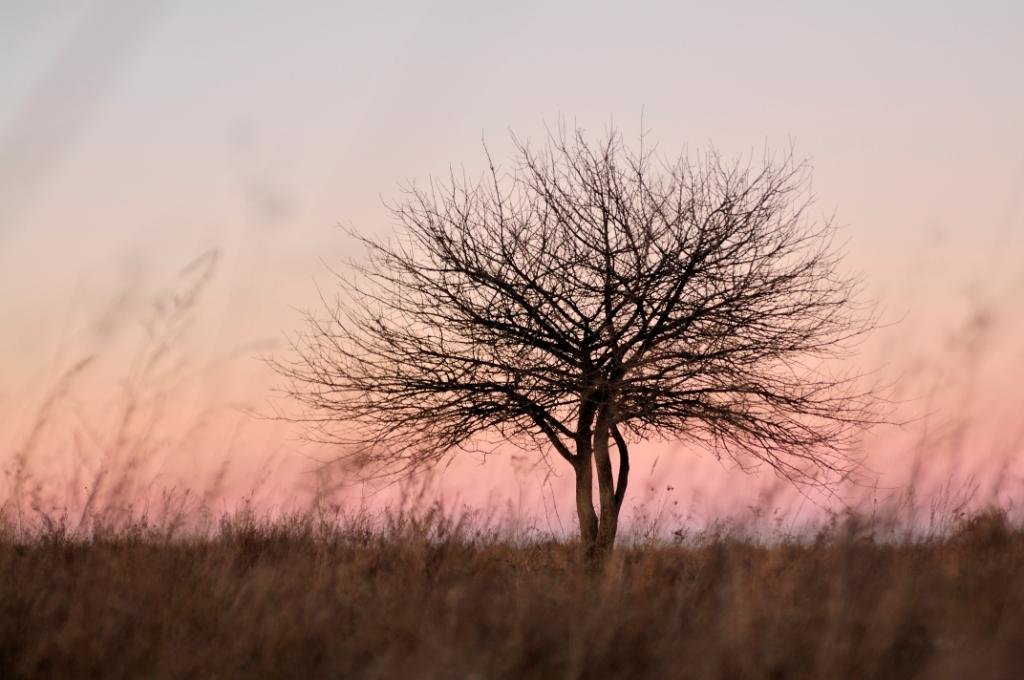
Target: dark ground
(427, 599)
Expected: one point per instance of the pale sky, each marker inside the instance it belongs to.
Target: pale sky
(135, 136)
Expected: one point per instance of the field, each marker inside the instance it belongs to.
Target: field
(428, 595)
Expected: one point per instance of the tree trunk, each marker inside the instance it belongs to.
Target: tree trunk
(598, 530)
(585, 504)
(609, 518)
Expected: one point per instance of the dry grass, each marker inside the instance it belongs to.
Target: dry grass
(426, 596)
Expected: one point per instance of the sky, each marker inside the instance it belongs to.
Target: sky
(136, 137)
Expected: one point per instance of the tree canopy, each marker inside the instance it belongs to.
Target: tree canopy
(594, 294)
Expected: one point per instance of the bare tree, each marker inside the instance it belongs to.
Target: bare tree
(594, 296)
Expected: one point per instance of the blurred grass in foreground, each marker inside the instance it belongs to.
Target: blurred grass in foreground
(430, 594)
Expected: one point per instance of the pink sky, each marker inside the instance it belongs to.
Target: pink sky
(134, 138)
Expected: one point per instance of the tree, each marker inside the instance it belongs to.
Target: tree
(593, 297)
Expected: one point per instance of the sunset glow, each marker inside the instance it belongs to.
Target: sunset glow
(144, 150)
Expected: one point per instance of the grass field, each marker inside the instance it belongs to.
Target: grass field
(426, 596)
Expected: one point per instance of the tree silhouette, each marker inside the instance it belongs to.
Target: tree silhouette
(593, 296)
